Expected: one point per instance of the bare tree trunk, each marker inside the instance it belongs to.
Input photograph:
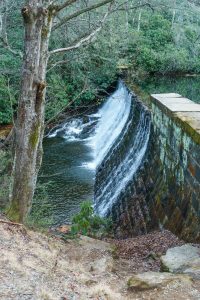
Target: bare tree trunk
(139, 20)
(29, 128)
(127, 16)
(174, 14)
(30, 120)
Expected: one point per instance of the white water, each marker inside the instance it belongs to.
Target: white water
(113, 117)
(116, 124)
(104, 132)
(75, 129)
(123, 173)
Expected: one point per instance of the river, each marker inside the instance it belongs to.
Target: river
(187, 86)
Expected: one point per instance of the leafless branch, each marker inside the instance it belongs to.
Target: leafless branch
(90, 37)
(121, 7)
(71, 102)
(80, 12)
(4, 36)
(7, 46)
(65, 4)
(11, 223)
(60, 62)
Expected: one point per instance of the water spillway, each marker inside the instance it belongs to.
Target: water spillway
(113, 118)
(101, 151)
(150, 177)
(121, 140)
(140, 167)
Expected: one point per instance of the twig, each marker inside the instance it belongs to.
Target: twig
(87, 39)
(8, 138)
(71, 102)
(11, 223)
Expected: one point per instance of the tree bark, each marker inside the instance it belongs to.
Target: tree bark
(29, 127)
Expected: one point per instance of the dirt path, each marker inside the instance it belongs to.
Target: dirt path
(35, 266)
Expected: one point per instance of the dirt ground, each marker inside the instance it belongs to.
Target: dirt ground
(37, 266)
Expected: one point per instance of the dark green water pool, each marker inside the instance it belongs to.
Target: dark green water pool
(187, 86)
(68, 179)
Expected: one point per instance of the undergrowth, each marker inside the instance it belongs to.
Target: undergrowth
(86, 222)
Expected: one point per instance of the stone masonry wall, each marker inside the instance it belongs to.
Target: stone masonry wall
(174, 201)
(165, 191)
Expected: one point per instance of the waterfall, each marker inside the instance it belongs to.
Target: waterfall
(121, 139)
(113, 117)
(75, 129)
(117, 137)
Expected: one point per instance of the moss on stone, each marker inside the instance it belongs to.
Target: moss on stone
(163, 267)
(186, 127)
(136, 283)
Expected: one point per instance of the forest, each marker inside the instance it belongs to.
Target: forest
(99, 149)
(146, 37)
(87, 46)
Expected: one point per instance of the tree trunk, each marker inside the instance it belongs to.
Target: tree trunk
(30, 119)
(139, 20)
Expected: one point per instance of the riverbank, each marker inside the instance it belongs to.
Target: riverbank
(40, 266)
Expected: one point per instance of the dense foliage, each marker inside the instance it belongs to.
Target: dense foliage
(159, 38)
(87, 223)
(157, 49)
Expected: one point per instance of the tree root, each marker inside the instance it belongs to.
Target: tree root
(11, 223)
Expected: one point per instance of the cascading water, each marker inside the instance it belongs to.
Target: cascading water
(122, 135)
(109, 145)
(64, 173)
(75, 129)
(113, 117)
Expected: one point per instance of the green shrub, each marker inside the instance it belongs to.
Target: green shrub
(160, 48)
(87, 223)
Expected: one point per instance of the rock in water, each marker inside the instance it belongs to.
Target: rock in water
(184, 259)
(152, 280)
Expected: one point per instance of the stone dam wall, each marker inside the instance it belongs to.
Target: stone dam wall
(174, 166)
(165, 190)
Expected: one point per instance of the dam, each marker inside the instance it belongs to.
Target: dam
(139, 164)
(150, 177)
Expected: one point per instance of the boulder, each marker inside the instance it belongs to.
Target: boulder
(152, 280)
(184, 259)
(101, 265)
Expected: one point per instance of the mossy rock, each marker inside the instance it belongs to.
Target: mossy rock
(152, 280)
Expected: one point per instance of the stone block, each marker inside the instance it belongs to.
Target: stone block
(184, 259)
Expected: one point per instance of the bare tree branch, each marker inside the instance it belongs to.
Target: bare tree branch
(6, 45)
(121, 7)
(68, 104)
(80, 12)
(64, 5)
(60, 62)
(4, 36)
(90, 37)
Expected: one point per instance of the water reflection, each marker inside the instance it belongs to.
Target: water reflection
(70, 182)
(188, 86)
